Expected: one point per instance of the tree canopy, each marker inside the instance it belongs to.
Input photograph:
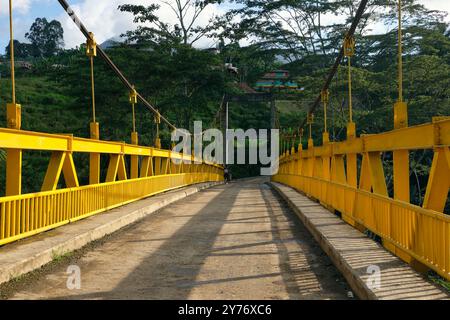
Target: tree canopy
(47, 38)
(188, 29)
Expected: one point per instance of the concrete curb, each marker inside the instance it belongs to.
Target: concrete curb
(355, 273)
(22, 257)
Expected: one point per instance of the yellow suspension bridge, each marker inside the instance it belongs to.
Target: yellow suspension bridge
(345, 177)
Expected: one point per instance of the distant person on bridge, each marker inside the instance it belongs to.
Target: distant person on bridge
(226, 175)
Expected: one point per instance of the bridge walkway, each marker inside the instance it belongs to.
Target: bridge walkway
(235, 241)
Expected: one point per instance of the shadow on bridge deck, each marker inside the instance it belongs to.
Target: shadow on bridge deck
(236, 241)
(360, 258)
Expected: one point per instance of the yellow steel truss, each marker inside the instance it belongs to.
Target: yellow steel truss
(28, 214)
(418, 235)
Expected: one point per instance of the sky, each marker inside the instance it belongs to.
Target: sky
(103, 18)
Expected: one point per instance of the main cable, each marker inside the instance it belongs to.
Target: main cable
(332, 73)
(109, 62)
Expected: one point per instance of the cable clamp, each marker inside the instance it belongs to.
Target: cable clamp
(91, 46)
(325, 95)
(133, 96)
(158, 118)
(349, 46)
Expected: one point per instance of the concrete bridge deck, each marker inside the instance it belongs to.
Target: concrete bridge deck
(243, 240)
(235, 241)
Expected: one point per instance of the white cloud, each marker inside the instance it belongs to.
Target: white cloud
(443, 5)
(19, 6)
(105, 21)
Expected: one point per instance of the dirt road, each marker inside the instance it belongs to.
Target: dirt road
(237, 241)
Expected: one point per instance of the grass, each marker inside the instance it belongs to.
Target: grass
(58, 257)
(435, 278)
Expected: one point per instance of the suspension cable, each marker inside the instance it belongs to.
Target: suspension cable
(111, 64)
(11, 47)
(332, 73)
(133, 101)
(400, 53)
(91, 52)
(325, 101)
(349, 51)
(92, 88)
(310, 122)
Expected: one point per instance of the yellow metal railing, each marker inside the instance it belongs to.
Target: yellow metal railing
(418, 235)
(25, 215)
(151, 170)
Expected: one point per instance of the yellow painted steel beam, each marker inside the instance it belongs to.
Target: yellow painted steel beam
(14, 155)
(113, 168)
(145, 167)
(134, 170)
(439, 181)
(14, 139)
(372, 174)
(27, 140)
(157, 166)
(69, 171)
(401, 175)
(13, 172)
(411, 138)
(53, 171)
(338, 169)
(121, 169)
(94, 157)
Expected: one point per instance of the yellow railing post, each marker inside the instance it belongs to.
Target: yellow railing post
(14, 121)
(439, 181)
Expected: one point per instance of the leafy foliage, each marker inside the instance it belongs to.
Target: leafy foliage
(151, 29)
(46, 38)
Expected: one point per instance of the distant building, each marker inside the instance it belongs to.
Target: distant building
(58, 66)
(214, 51)
(18, 64)
(24, 65)
(277, 80)
(231, 69)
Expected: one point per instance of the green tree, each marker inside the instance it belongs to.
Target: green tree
(188, 29)
(296, 28)
(21, 50)
(47, 38)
